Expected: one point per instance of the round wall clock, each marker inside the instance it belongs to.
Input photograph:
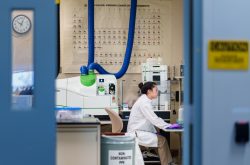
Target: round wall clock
(21, 24)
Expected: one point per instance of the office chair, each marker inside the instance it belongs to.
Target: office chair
(116, 121)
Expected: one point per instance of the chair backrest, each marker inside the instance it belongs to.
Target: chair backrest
(116, 120)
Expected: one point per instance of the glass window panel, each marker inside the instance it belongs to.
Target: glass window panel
(22, 59)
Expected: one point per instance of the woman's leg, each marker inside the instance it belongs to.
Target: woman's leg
(163, 150)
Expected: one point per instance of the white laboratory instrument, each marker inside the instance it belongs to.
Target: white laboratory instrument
(159, 74)
(154, 72)
(180, 114)
(92, 99)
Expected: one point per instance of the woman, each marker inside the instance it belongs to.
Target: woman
(142, 122)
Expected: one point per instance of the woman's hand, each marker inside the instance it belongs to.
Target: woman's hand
(174, 126)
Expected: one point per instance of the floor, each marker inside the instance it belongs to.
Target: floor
(156, 161)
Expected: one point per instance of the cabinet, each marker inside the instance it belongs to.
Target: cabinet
(78, 142)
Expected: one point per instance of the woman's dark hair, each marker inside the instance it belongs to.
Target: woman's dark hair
(146, 86)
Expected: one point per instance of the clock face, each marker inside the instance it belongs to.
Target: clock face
(21, 24)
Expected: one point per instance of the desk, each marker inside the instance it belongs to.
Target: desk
(78, 141)
(179, 132)
(173, 130)
(104, 122)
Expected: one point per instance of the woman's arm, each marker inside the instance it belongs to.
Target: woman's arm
(149, 114)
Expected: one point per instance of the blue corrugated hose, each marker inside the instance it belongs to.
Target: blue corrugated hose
(96, 66)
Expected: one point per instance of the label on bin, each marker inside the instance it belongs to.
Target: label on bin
(117, 157)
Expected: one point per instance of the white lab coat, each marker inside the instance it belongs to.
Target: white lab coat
(142, 120)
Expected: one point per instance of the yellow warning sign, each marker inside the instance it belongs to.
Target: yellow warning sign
(57, 2)
(228, 55)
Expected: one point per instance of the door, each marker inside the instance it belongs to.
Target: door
(28, 132)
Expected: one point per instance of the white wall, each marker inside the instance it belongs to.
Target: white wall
(22, 48)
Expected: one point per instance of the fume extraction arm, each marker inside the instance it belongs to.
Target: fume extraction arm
(87, 72)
